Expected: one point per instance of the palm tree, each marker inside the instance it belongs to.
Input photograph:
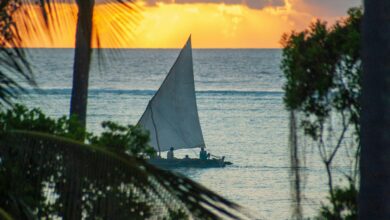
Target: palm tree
(374, 196)
(83, 50)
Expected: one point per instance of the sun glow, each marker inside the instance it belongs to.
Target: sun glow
(166, 26)
(212, 26)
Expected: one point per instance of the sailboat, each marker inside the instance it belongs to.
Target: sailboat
(171, 116)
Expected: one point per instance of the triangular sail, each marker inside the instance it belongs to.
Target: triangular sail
(172, 115)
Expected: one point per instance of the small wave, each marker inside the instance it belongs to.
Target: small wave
(94, 91)
(261, 167)
(240, 92)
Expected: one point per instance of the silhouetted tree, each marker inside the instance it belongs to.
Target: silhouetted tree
(83, 50)
(322, 66)
(374, 196)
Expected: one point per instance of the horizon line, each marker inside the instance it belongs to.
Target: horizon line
(162, 48)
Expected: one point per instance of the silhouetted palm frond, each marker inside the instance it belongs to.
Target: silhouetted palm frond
(14, 67)
(79, 179)
(4, 215)
(108, 23)
(113, 20)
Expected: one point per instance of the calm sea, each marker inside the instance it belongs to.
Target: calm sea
(240, 102)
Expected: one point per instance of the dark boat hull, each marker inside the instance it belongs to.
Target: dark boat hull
(187, 163)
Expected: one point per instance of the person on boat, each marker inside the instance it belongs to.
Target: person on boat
(203, 154)
(170, 155)
(186, 157)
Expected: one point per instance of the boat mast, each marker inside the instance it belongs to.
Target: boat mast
(155, 130)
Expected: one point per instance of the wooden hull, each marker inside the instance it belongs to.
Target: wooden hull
(187, 163)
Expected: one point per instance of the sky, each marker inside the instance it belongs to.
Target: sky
(168, 23)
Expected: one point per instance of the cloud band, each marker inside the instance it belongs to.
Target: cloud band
(253, 4)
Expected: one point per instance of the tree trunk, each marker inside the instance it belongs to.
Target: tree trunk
(82, 58)
(78, 103)
(374, 197)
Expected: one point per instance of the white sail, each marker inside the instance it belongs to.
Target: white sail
(172, 115)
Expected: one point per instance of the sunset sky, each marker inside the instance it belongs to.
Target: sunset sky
(167, 23)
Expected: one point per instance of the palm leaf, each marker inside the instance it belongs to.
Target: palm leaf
(78, 178)
(113, 20)
(118, 19)
(14, 67)
(4, 215)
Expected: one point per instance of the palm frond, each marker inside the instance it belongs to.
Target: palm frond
(45, 21)
(14, 67)
(72, 178)
(113, 21)
(4, 215)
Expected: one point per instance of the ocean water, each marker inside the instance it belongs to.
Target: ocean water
(240, 103)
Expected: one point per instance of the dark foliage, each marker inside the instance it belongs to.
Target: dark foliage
(54, 176)
(345, 200)
(129, 139)
(45, 176)
(20, 117)
(323, 69)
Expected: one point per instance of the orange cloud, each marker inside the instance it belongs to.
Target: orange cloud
(228, 24)
(254, 4)
(212, 26)
(325, 9)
